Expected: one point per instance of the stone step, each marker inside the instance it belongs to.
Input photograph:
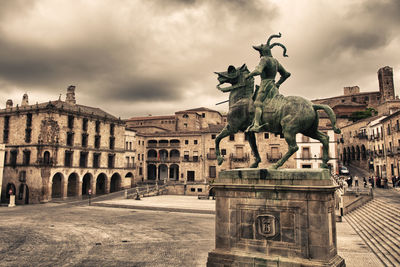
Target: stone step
(384, 240)
(388, 217)
(378, 223)
(376, 248)
(376, 226)
(388, 207)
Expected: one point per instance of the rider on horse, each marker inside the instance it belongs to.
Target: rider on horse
(267, 68)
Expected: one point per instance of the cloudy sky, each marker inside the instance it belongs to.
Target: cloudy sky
(133, 58)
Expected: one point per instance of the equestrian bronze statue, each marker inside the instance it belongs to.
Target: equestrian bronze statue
(265, 110)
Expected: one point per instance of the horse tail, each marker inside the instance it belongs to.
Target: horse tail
(331, 115)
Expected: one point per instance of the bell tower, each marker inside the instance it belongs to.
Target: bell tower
(71, 95)
(386, 87)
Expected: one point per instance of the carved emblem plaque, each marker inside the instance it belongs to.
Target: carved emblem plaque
(266, 225)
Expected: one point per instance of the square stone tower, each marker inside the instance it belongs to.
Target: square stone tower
(386, 87)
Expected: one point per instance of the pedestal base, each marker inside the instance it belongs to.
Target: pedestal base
(275, 218)
(235, 259)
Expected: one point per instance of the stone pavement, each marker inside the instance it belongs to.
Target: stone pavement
(350, 245)
(57, 234)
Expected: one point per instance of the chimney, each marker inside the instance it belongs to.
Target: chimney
(9, 103)
(71, 95)
(25, 101)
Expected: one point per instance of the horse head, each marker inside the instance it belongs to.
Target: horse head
(233, 76)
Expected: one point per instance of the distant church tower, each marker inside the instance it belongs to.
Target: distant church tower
(386, 87)
(71, 95)
(25, 101)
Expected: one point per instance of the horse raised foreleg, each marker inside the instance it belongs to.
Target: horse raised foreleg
(224, 133)
(324, 139)
(291, 141)
(253, 145)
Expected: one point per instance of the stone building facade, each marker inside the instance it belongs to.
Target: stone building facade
(61, 149)
(353, 100)
(180, 149)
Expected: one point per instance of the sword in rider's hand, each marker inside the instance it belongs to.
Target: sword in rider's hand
(219, 103)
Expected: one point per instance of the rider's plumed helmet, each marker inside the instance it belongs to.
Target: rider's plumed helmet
(265, 49)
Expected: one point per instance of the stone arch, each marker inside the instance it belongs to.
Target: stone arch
(57, 185)
(86, 183)
(151, 154)
(46, 158)
(175, 142)
(23, 193)
(162, 172)
(358, 154)
(8, 187)
(129, 175)
(101, 183)
(344, 155)
(363, 152)
(152, 143)
(151, 172)
(174, 172)
(73, 185)
(353, 153)
(163, 143)
(115, 182)
(174, 154)
(348, 154)
(163, 155)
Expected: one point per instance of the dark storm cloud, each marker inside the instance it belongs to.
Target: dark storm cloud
(123, 55)
(151, 89)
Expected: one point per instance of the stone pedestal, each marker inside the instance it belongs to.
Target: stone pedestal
(12, 201)
(275, 218)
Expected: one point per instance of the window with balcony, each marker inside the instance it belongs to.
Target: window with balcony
(83, 159)
(70, 121)
(26, 157)
(111, 160)
(84, 124)
(13, 158)
(186, 155)
(70, 139)
(97, 126)
(112, 142)
(6, 129)
(195, 156)
(28, 135)
(190, 176)
(212, 172)
(112, 128)
(84, 140)
(68, 158)
(28, 120)
(97, 139)
(96, 160)
(305, 154)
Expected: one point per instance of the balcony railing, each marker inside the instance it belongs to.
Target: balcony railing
(211, 156)
(274, 157)
(163, 145)
(130, 165)
(164, 159)
(239, 157)
(361, 136)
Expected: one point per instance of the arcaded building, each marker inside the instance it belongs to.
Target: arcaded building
(61, 149)
(179, 149)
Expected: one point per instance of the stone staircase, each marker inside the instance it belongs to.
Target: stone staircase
(378, 224)
(147, 191)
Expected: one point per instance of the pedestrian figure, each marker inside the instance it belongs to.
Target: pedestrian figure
(394, 181)
(372, 181)
(385, 182)
(356, 180)
(351, 181)
(365, 181)
(378, 182)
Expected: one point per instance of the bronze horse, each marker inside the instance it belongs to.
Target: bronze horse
(281, 115)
